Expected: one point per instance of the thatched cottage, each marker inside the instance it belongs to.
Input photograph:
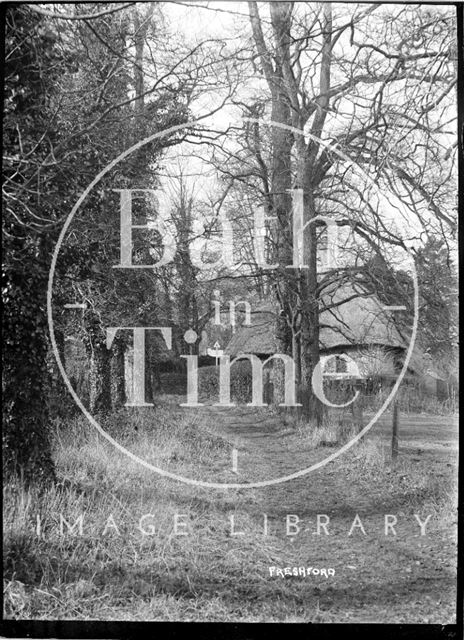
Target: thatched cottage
(355, 324)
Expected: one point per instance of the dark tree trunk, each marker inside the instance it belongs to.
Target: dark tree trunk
(61, 403)
(100, 383)
(26, 435)
(100, 369)
(149, 391)
(281, 174)
(117, 372)
(296, 291)
(313, 409)
(395, 429)
(281, 184)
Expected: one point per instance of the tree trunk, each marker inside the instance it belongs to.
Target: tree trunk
(188, 311)
(118, 380)
(313, 409)
(26, 436)
(140, 33)
(281, 184)
(149, 391)
(281, 174)
(395, 429)
(100, 369)
(296, 352)
(60, 402)
(100, 383)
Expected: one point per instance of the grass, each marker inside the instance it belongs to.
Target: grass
(370, 460)
(115, 572)
(101, 576)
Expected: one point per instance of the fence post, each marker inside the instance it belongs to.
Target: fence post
(356, 407)
(395, 428)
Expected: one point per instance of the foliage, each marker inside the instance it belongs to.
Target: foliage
(33, 64)
(66, 117)
(240, 382)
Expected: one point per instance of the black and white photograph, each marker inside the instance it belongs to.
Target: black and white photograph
(230, 313)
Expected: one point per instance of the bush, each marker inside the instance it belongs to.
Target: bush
(240, 382)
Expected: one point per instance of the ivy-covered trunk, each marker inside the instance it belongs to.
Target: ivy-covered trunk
(100, 365)
(117, 373)
(26, 428)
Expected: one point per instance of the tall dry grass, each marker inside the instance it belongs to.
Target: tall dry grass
(110, 569)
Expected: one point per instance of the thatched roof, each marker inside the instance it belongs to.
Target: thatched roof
(356, 320)
(258, 338)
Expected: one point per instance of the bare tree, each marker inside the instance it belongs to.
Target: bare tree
(349, 104)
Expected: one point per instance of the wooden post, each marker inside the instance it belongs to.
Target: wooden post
(395, 427)
(356, 406)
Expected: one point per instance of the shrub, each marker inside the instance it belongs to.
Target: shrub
(240, 382)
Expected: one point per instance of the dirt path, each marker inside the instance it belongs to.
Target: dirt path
(267, 447)
(374, 571)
